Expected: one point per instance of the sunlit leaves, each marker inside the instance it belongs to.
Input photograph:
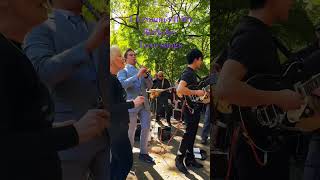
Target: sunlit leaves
(172, 61)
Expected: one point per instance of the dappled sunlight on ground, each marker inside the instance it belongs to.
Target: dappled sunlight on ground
(164, 156)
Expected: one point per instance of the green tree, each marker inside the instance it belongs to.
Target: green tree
(295, 34)
(126, 32)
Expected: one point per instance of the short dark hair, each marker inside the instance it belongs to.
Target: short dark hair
(194, 54)
(127, 51)
(257, 4)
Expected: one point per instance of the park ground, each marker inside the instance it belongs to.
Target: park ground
(164, 155)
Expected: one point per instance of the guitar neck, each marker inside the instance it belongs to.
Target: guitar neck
(167, 89)
(309, 86)
(163, 90)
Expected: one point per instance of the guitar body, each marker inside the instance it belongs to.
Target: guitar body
(266, 116)
(154, 93)
(197, 101)
(262, 122)
(267, 124)
(192, 102)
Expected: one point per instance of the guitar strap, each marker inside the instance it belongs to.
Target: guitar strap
(282, 48)
(200, 79)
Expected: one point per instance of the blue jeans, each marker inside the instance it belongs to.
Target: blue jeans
(206, 126)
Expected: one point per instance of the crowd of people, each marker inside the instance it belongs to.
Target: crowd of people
(54, 126)
(55, 122)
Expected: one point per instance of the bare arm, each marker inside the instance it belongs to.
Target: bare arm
(184, 90)
(63, 124)
(230, 88)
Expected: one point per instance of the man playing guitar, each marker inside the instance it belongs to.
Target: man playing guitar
(253, 52)
(191, 113)
(162, 107)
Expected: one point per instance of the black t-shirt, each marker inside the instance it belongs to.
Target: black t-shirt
(119, 106)
(252, 45)
(26, 110)
(190, 77)
(162, 84)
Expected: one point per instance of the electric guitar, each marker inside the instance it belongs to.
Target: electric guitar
(193, 102)
(205, 99)
(270, 121)
(204, 85)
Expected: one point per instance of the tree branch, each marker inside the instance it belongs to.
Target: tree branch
(124, 24)
(195, 35)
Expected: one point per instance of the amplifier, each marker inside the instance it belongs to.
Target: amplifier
(177, 114)
(164, 133)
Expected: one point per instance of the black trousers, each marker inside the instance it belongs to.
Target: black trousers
(163, 109)
(122, 157)
(191, 122)
(245, 166)
(312, 164)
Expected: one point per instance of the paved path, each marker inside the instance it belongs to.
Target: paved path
(165, 165)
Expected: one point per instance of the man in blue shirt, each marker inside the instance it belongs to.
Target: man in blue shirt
(135, 82)
(65, 51)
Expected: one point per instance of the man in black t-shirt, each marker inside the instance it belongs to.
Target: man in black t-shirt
(191, 113)
(252, 52)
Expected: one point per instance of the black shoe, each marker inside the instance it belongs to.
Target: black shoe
(169, 123)
(204, 141)
(180, 165)
(193, 163)
(146, 158)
